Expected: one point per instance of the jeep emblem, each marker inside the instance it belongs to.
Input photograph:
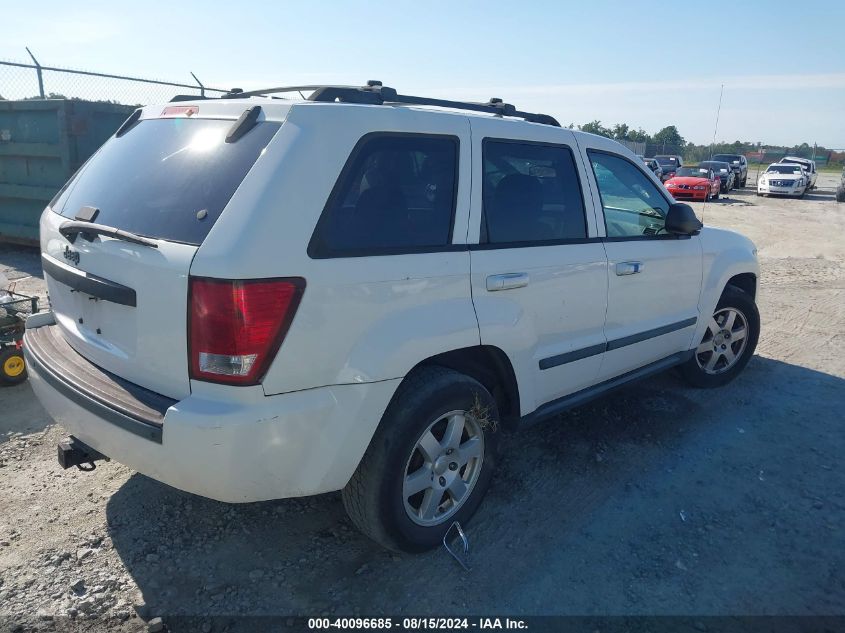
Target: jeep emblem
(71, 256)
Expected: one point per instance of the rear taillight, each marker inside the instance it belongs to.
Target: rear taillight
(235, 327)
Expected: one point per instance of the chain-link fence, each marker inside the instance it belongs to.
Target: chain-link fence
(20, 80)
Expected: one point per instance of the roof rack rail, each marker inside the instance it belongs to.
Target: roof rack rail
(374, 93)
(177, 98)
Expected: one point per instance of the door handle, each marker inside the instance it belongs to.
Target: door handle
(628, 268)
(507, 281)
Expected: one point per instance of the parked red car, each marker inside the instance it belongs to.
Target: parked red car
(694, 183)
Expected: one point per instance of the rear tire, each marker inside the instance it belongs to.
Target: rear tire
(416, 477)
(12, 366)
(728, 343)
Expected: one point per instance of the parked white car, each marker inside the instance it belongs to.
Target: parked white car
(255, 299)
(783, 179)
(808, 165)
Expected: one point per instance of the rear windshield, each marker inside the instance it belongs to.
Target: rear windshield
(165, 178)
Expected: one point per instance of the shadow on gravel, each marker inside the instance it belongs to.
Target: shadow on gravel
(815, 196)
(820, 194)
(654, 499)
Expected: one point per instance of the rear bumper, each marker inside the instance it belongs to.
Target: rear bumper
(241, 448)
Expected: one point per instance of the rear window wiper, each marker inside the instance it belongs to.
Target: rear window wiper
(73, 228)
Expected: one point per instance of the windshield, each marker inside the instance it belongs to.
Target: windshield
(692, 172)
(784, 169)
(665, 160)
(165, 178)
(717, 167)
(727, 158)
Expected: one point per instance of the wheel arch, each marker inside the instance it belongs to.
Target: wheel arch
(747, 282)
(490, 366)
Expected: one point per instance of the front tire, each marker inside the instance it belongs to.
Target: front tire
(429, 463)
(728, 344)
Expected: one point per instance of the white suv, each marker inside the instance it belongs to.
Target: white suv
(255, 298)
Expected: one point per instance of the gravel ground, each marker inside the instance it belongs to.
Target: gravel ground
(657, 499)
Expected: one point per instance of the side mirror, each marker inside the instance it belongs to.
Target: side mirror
(681, 220)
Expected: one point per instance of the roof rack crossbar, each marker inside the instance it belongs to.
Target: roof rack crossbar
(374, 93)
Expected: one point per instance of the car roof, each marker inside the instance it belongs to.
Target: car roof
(795, 159)
(277, 108)
(374, 93)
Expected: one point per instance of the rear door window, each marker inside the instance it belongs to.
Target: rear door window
(396, 194)
(166, 178)
(531, 194)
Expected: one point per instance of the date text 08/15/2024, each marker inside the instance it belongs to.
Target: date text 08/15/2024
(415, 624)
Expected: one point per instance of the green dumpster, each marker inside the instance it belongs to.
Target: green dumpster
(42, 143)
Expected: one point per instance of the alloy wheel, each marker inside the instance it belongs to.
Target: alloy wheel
(443, 468)
(724, 342)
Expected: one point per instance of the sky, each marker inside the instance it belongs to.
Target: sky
(647, 64)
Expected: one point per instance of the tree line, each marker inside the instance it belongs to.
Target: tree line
(669, 140)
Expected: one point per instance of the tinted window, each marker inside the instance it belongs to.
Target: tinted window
(531, 193)
(716, 166)
(693, 172)
(396, 193)
(632, 205)
(671, 161)
(165, 178)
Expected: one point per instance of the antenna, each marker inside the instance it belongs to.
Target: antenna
(713, 142)
(716, 127)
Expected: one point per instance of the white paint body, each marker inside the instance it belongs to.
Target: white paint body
(773, 183)
(365, 322)
(809, 167)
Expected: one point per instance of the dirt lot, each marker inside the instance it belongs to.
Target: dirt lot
(658, 499)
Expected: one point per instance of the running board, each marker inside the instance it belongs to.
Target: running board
(578, 398)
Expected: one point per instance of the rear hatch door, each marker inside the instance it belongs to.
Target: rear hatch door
(121, 304)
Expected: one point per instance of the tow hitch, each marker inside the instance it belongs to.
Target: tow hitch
(72, 452)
